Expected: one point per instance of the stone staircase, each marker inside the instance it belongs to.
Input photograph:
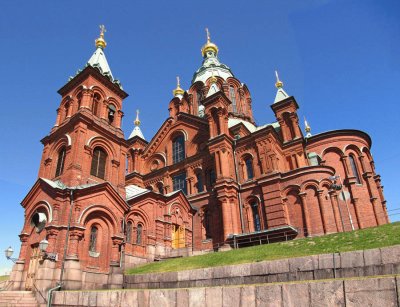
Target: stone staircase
(17, 298)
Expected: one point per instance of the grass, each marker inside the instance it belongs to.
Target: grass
(381, 236)
(4, 277)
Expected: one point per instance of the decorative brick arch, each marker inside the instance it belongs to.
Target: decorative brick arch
(101, 210)
(99, 141)
(352, 147)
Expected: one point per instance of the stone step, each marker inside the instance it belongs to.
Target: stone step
(18, 298)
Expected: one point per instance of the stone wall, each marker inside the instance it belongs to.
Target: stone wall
(380, 261)
(345, 292)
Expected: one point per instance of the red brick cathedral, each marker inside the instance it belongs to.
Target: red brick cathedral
(210, 178)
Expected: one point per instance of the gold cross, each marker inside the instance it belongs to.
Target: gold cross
(208, 35)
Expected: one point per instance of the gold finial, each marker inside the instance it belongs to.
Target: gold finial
(178, 90)
(137, 121)
(279, 83)
(307, 126)
(209, 46)
(100, 42)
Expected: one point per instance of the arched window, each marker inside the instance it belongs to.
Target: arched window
(129, 232)
(98, 167)
(60, 161)
(232, 96)
(199, 184)
(178, 149)
(207, 225)
(96, 104)
(256, 216)
(199, 96)
(139, 231)
(79, 97)
(111, 113)
(93, 239)
(67, 105)
(354, 169)
(249, 168)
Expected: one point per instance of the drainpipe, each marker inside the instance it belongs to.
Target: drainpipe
(240, 187)
(71, 202)
(50, 294)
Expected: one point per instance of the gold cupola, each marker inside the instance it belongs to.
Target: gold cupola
(178, 91)
(100, 42)
(137, 121)
(209, 46)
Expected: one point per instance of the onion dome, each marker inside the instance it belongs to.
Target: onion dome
(178, 91)
(211, 63)
(209, 46)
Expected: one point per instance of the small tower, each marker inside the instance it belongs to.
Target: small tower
(136, 131)
(285, 109)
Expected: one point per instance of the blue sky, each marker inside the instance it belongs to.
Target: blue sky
(340, 59)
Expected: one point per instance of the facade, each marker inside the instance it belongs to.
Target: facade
(211, 178)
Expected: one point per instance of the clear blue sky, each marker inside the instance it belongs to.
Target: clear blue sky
(340, 59)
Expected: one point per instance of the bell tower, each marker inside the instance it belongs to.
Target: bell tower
(85, 146)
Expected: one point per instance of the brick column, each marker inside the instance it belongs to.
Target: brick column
(24, 244)
(336, 212)
(116, 242)
(306, 213)
(74, 236)
(322, 210)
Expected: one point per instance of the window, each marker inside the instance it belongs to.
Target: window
(66, 109)
(160, 188)
(249, 168)
(199, 184)
(256, 216)
(111, 113)
(139, 234)
(232, 96)
(179, 182)
(93, 239)
(354, 169)
(60, 161)
(129, 232)
(96, 103)
(98, 167)
(199, 96)
(178, 149)
(211, 176)
(207, 225)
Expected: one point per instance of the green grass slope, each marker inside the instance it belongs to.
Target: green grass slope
(381, 236)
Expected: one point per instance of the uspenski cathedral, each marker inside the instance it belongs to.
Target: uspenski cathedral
(210, 179)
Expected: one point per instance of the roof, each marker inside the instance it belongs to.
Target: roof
(136, 132)
(252, 128)
(98, 59)
(133, 191)
(59, 185)
(280, 95)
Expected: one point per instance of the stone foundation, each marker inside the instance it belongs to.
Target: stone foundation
(345, 292)
(381, 261)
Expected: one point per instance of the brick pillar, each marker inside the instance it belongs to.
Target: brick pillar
(52, 239)
(74, 236)
(322, 210)
(87, 96)
(116, 242)
(226, 216)
(306, 213)
(24, 244)
(58, 118)
(336, 211)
